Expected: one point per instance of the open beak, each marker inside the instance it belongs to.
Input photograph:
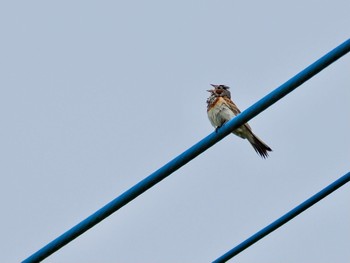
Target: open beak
(215, 86)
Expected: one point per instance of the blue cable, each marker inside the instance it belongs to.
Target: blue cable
(190, 154)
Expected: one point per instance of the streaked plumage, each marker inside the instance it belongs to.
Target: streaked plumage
(220, 109)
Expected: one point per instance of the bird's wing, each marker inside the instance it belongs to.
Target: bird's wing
(235, 110)
(232, 106)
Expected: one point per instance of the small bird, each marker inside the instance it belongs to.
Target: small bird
(221, 109)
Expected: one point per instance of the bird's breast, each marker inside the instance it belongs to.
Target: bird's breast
(219, 112)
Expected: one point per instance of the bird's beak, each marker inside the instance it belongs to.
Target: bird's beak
(215, 86)
(210, 90)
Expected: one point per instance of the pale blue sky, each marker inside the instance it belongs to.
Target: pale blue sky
(96, 95)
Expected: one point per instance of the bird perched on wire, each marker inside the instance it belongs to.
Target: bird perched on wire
(221, 109)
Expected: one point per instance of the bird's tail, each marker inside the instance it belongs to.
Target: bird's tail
(259, 146)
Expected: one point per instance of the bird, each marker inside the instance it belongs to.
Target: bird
(221, 109)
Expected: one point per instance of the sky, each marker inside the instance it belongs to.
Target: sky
(96, 95)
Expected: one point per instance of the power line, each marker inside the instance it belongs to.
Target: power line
(190, 154)
(284, 219)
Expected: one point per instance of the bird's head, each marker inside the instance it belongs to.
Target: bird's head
(220, 90)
